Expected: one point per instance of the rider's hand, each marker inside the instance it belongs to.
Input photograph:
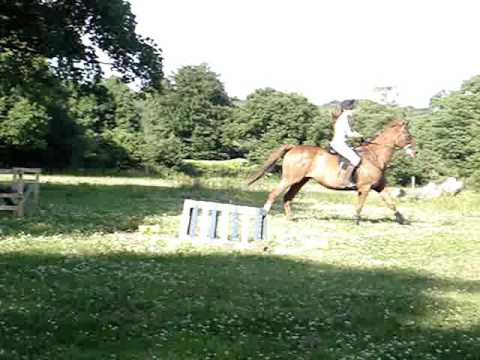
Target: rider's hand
(357, 135)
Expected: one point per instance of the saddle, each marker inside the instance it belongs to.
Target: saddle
(344, 163)
(342, 160)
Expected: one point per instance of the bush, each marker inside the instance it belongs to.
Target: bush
(233, 167)
(474, 180)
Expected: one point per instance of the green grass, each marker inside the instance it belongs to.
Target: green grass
(79, 281)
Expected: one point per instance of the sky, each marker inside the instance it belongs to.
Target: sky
(323, 49)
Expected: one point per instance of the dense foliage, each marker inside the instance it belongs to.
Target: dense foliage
(269, 118)
(57, 111)
(72, 33)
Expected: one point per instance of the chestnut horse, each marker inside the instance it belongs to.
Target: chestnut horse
(304, 162)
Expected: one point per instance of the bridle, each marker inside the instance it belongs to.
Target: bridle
(408, 148)
(394, 146)
(368, 142)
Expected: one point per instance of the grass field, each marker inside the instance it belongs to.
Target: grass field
(79, 281)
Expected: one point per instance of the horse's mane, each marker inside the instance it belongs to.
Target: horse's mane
(396, 122)
(392, 124)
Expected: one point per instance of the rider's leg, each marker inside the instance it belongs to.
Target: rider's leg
(352, 156)
(348, 174)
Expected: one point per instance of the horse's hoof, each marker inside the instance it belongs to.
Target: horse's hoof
(401, 219)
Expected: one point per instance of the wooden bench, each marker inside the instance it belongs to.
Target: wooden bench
(23, 186)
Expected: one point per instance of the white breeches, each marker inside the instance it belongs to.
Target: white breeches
(344, 150)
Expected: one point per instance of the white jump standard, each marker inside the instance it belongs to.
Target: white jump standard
(216, 222)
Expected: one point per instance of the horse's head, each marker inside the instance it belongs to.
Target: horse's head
(404, 140)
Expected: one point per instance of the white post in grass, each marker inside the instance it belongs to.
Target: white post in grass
(204, 223)
(245, 227)
(223, 224)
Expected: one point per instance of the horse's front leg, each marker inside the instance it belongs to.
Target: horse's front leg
(362, 196)
(391, 205)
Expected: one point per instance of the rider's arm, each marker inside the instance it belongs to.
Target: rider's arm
(346, 124)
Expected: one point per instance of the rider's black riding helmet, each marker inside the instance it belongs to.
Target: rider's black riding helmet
(348, 104)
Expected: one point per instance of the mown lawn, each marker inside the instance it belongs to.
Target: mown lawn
(79, 281)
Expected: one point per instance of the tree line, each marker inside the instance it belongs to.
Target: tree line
(57, 110)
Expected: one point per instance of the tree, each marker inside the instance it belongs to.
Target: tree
(387, 95)
(41, 99)
(23, 124)
(191, 110)
(269, 118)
(161, 145)
(91, 111)
(71, 32)
(123, 131)
(371, 117)
(202, 109)
(451, 132)
(320, 132)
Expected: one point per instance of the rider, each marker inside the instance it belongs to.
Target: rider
(342, 131)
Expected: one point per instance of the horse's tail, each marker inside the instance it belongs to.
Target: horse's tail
(274, 156)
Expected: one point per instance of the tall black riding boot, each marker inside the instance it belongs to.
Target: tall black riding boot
(348, 183)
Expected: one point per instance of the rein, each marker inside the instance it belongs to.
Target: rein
(368, 142)
(371, 152)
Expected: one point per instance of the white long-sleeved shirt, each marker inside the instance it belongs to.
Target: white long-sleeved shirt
(342, 128)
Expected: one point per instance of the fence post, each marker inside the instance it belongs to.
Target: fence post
(245, 227)
(204, 222)
(36, 189)
(185, 220)
(264, 225)
(20, 190)
(258, 227)
(193, 221)
(235, 234)
(224, 223)
(212, 231)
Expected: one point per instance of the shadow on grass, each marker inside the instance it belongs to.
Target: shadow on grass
(232, 306)
(345, 218)
(313, 210)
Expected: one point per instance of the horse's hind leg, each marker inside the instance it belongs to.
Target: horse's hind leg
(274, 193)
(362, 196)
(290, 194)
